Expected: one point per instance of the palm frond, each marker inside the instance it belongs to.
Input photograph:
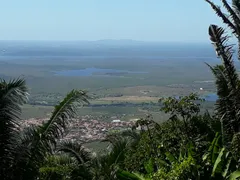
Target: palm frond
(13, 94)
(76, 151)
(235, 175)
(225, 53)
(227, 81)
(82, 157)
(125, 175)
(232, 19)
(26, 163)
(133, 135)
(106, 165)
(221, 81)
(66, 110)
(236, 7)
(57, 167)
(223, 103)
(222, 16)
(41, 140)
(218, 162)
(213, 150)
(53, 129)
(233, 15)
(118, 145)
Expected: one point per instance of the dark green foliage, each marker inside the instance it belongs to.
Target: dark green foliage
(109, 162)
(57, 167)
(41, 141)
(23, 152)
(227, 82)
(82, 158)
(12, 95)
(75, 150)
(163, 143)
(186, 106)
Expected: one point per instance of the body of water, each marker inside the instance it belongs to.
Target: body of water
(94, 71)
(211, 97)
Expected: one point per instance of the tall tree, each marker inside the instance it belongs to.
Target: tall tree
(227, 80)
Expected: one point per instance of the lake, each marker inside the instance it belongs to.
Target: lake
(95, 71)
(211, 97)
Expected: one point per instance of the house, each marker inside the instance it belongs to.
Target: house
(116, 121)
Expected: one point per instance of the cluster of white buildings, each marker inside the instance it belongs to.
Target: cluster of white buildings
(86, 128)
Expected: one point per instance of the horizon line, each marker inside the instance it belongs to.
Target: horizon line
(99, 40)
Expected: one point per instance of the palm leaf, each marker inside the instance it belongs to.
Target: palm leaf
(125, 175)
(13, 94)
(217, 168)
(224, 104)
(76, 151)
(118, 149)
(232, 14)
(140, 177)
(48, 133)
(222, 15)
(57, 167)
(236, 6)
(213, 149)
(235, 175)
(170, 157)
(226, 170)
(40, 141)
(63, 112)
(107, 164)
(227, 82)
(149, 166)
(133, 135)
(221, 81)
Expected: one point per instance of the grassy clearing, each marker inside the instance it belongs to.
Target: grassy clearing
(130, 99)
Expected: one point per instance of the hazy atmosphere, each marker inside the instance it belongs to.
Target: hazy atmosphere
(155, 20)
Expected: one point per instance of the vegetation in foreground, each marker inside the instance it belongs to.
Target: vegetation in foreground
(189, 145)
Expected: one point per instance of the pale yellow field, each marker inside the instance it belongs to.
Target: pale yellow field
(130, 98)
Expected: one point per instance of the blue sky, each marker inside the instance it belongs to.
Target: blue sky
(145, 20)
